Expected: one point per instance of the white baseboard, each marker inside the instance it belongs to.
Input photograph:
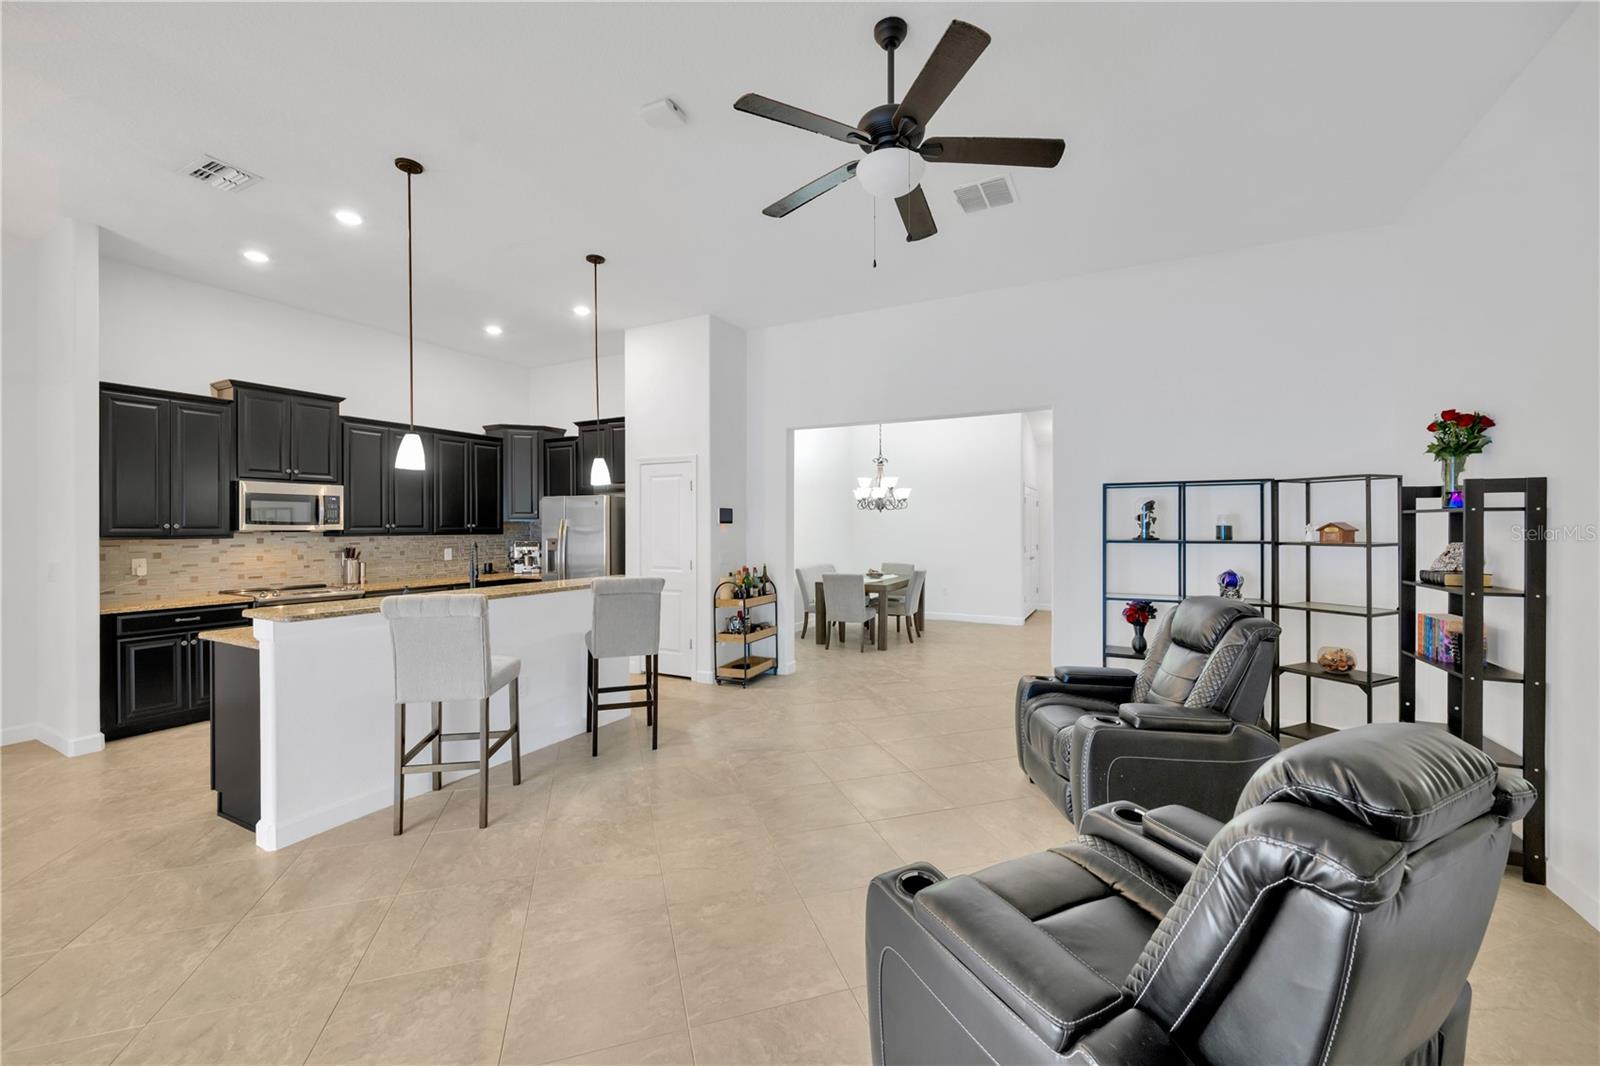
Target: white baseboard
(980, 619)
(71, 748)
(1574, 893)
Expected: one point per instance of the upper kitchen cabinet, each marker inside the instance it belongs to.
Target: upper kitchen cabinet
(522, 461)
(379, 498)
(284, 434)
(466, 484)
(604, 438)
(166, 464)
(559, 466)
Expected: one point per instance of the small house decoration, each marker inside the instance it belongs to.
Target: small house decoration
(1336, 533)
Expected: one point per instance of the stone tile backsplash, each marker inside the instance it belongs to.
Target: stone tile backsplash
(195, 567)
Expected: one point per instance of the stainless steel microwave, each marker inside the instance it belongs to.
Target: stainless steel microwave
(290, 507)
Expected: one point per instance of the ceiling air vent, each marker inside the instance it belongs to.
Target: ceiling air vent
(996, 192)
(222, 176)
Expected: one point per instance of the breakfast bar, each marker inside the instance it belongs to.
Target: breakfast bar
(326, 699)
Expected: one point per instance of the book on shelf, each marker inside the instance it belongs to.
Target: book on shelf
(1451, 578)
(1439, 638)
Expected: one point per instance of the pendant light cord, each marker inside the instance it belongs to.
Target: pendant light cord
(596, 340)
(411, 323)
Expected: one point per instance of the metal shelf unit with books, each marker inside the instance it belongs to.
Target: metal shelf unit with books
(1371, 608)
(1465, 680)
(1244, 494)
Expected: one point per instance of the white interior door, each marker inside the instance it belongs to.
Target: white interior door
(666, 550)
(1030, 547)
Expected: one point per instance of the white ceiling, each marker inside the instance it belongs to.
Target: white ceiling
(1190, 128)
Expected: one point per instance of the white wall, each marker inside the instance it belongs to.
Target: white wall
(563, 393)
(1316, 356)
(964, 525)
(165, 332)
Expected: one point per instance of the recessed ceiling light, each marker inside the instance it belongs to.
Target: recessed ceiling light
(256, 255)
(348, 217)
(582, 310)
(493, 330)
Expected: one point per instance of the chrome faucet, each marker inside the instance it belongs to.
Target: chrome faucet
(473, 573)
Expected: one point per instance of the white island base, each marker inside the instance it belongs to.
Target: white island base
(327, 701)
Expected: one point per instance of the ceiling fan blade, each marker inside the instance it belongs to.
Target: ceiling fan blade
(756, 104)
(952, 57)
(998, 151)
(916, 214)
(810, 191)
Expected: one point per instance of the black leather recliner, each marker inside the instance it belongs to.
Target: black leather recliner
(1334, 919)
(1184, 729)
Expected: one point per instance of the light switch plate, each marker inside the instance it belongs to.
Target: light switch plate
(141, 568)
(449, 553)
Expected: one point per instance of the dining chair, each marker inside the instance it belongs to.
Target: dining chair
(904, 604)
(808, 577)
(846, 596)
(902, 569)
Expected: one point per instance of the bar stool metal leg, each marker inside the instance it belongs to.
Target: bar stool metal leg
(399, 763)
(438, 745)
(655, 703)
(594, 706)
(516, 732)
(483, 764)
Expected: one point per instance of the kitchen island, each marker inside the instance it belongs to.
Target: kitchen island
(326, 708)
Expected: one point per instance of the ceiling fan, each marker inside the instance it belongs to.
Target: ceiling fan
(892, 133)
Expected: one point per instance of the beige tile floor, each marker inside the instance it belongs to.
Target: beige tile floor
(701, 903)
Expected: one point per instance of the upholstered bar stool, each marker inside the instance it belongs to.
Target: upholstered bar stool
(441, 652)
(627, 621)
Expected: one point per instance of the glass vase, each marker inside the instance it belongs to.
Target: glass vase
(1452, 473)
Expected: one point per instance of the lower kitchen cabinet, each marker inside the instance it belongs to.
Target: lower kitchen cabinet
(236, 732)
(155, 671)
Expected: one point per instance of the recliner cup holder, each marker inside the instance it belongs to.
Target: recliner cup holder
(913, 881)
(1131, 815)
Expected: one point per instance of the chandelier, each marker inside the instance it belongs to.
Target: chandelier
(879, 493)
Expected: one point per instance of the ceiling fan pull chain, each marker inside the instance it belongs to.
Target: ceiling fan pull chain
(874, 233)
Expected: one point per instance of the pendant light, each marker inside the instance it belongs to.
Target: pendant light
(599, 473)
(410, 454)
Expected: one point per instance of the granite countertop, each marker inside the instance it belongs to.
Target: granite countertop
(172, 603)
(307, 612)
(238, 636)
(219, 599)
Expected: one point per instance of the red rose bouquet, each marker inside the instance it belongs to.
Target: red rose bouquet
(1138, 612)
(1459, 433)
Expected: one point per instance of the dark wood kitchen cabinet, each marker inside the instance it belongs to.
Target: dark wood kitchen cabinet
(166, 464)
(560, 466)
(380, 499)
(602, 438)
(284, 434)
(522, 461)
(155, 671)
(466, 484)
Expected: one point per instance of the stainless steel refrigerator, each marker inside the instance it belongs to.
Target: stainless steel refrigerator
(582, 535)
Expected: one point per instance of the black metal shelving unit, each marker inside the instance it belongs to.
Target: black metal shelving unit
(1465, 682)
(1368, 681)
(1182, 542)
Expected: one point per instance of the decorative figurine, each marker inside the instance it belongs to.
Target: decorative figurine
(1452, 558)
(1230, 585)
(736, 622)
(1138, 614)
(1311, 534)
(1147, 521)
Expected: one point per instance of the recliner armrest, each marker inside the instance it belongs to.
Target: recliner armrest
(1110, 683)
(1174, 718)
(1096, 675)
(1183, 829)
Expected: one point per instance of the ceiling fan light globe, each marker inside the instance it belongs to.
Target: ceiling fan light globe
(889, 173)
(410, 455)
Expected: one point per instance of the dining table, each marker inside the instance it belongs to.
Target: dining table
(881, 585)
